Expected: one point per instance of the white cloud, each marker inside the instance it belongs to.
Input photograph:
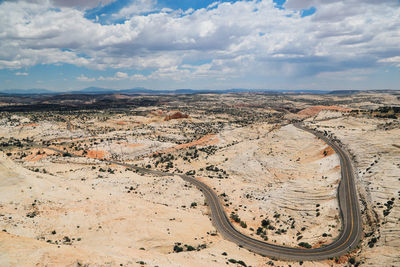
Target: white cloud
(118, 76)
(137, 7)
(305, 4)
(170, 73)
(394, 60)
(21, 73)
(74, 3)
(235, 39)
(80, 3)
(83, 78)
(121, 75)
(138, 77)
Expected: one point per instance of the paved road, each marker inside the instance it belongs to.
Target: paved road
(348, 202)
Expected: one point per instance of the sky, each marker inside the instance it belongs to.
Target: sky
(66, 45)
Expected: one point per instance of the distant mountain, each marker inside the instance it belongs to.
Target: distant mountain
(351, 92)
(140, 90)
(319, 92)
(344, 92)
(145, 91)
(93, 90)
(27, 91)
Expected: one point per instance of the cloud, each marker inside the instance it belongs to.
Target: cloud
(83, 78)
(138, 77)
(394, 60)
(73, 3)
(305, 4)
(118, 76)
(137, 7)
(121, 75)
(241, 39)
(80, 3)
(21, 73)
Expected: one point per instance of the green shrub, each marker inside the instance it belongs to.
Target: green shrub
(304, 245)
(178, 249)
(190, 248)
(235, 217)
(265, 223)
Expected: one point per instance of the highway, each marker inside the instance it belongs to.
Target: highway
(347, 240)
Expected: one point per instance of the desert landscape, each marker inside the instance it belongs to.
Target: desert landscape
(159, 133)
(66, 200)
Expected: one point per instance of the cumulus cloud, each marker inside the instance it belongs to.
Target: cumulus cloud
(83, 78)
(80, 3)
(138, 77)
(21, 73)
(304, 4)
(241, 38)
(137, 7)
(394, 60)
(73, 3)
(121, 75)
(118, 76)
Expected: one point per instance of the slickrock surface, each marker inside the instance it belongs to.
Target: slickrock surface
(62, 205)
(375, 146)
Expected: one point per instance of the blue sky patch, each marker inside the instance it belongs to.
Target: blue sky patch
(279, 3)
(186, 4)
(308, 12)
(102, 14)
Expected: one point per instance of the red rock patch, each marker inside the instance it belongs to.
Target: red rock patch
(327, 151)
(96, 154)
(176, 115)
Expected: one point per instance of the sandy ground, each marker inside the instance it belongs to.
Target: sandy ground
(120, 219)
(64, 211)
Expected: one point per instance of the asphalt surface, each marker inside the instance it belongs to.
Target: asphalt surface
(347, 240)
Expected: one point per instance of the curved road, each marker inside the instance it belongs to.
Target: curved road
(347, 240)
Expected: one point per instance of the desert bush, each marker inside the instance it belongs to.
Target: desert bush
(304, 245)
(177, 248)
